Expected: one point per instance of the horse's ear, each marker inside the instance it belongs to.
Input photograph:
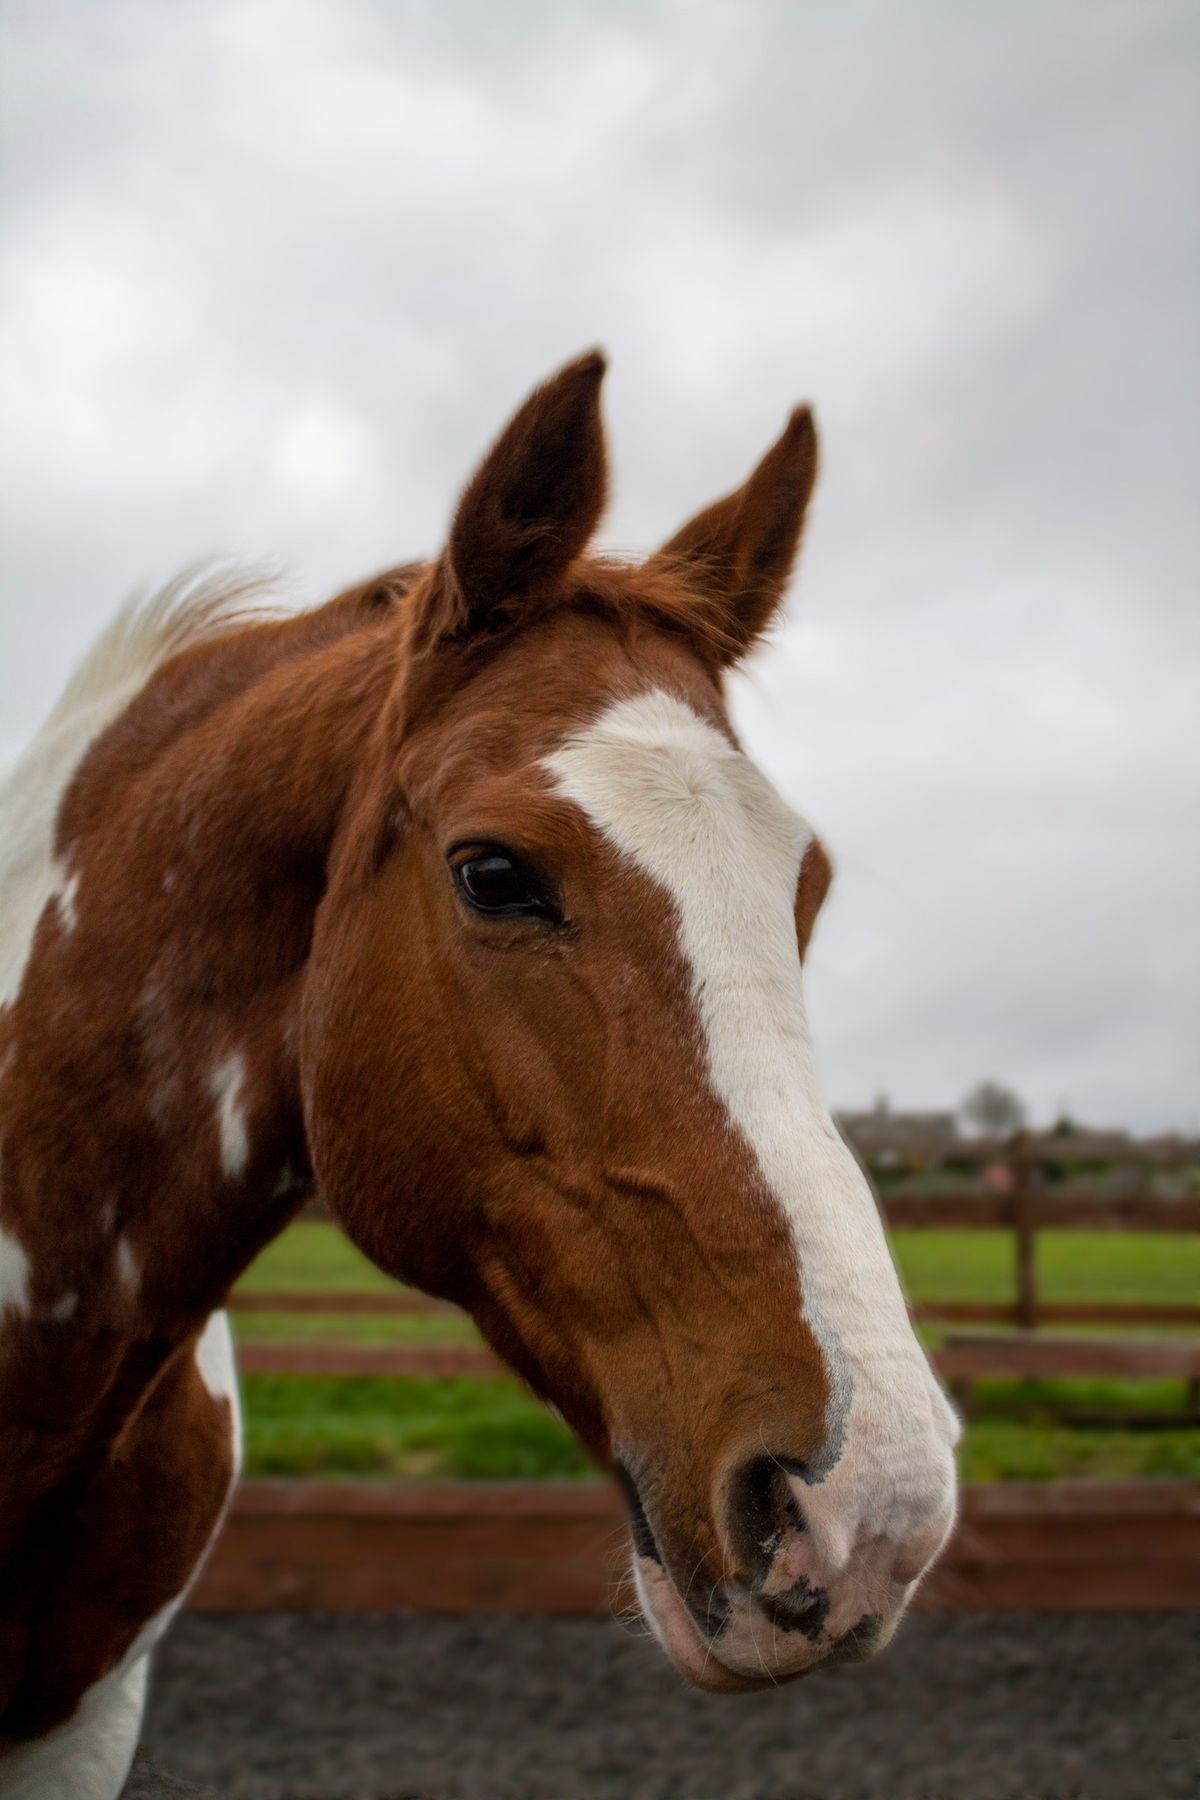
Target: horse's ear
(529, 511)
(739, 551)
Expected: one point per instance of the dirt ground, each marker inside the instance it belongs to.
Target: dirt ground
(1019, 1707)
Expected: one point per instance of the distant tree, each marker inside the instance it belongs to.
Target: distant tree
(994, 1108)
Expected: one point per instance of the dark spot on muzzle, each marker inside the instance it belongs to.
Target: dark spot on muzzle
(803, 1608)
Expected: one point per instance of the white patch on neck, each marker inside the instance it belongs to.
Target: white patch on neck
(290, 1182)
(14, 1275)
(88, 1756)
(142, 636)
(217, 1367)
(66, 893)
(697, 816)
(129, 1274)
(31, 876)
(225, 1085)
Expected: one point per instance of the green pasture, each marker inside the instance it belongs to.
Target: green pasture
(1155, 1267)
(464, 1429)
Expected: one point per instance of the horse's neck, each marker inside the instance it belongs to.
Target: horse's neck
(153, 1137)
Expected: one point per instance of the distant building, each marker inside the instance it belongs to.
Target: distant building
(881, 1128)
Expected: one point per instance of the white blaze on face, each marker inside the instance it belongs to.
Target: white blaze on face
(696, 815)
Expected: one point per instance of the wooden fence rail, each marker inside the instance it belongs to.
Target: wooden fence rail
(1085, 1209)
(558, 1548)
(974, 1208)
(403, 1302)
(1025, 1209)
(1021, 1204)
(1016, 1357)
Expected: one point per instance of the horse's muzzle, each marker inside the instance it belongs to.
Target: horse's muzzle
(800, 1588)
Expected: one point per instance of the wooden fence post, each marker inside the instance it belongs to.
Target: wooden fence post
(1026, 1181)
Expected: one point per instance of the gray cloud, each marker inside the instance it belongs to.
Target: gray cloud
(271, 275)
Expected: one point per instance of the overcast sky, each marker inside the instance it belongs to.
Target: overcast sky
(272, 272)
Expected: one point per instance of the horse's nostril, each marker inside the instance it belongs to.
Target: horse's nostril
(761, 1511)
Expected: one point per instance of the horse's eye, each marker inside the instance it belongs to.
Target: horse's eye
(497, 883)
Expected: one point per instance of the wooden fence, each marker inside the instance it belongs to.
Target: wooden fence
(1032, 1191)
(1021, 1201)
(551, 1547)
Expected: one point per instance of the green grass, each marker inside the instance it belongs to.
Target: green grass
(463, 1429)
(435, 1429)
(317, 1257)
(356, 1328)
(936, 1265)
(473, 1430)
(1112, 1266)
(1016, 1433)
(1033, 1450)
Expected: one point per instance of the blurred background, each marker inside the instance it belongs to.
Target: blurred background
(273, 272)
(272, 275)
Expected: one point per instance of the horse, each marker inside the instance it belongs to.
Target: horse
(457, 902)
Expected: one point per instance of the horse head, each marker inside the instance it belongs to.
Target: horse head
(556, 1066)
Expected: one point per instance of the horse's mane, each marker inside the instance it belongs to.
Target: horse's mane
(664, 592)
(204, 602)
(195, 606)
